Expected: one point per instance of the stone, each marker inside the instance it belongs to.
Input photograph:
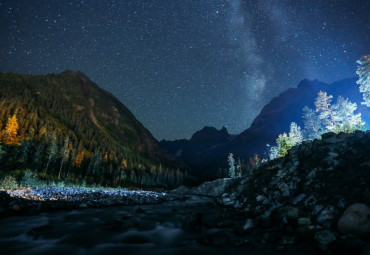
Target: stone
(355, 220)
(293, 213)
(16, 207)
(83, 206)
(327, 216)
(306, 232)
(304, 221)
(248, 225)
(317, 209)
(298, 199)
(324, 238)
(260, 198)
(284, 188)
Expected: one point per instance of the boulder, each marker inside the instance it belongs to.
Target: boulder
(355, 220)
(327, 217)
(324, 238)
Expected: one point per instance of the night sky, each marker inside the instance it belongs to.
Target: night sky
(179, 65)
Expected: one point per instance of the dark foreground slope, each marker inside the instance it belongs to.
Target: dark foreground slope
(114, 146)
(303, 196)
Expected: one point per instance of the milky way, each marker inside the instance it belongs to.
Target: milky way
(179, 65)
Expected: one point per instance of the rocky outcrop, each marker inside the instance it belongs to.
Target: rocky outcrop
(305, 194)
(355, 220)
(208, 189)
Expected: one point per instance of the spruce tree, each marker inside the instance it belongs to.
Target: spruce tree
(52, 151)
(323, 107)
(312, 123)
(363, 71)
(231, 162)
(346, 119)
(64, 154)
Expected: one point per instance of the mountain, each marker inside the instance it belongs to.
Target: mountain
(107, 144)
(274, 119)
(198, 150)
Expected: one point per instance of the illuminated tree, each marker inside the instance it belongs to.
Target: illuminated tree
(323, 107)
(295, 134)
(231, 163)
(285, 142)
(346, 119)
(312, 123)
(363, 71)
(9, 135)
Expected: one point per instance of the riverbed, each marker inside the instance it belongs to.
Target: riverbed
(192, 225)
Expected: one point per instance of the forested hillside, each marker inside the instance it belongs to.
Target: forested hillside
(67, 127)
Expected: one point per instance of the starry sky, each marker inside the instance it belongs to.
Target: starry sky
(180, 65)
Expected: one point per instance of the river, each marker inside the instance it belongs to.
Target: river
(195, 225)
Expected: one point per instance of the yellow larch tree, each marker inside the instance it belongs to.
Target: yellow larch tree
(10, 135)
(79, 158)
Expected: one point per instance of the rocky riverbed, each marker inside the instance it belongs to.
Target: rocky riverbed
(31, 201)
(192, 225)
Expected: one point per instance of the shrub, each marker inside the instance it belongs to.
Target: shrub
(9, 182)
(30, 179)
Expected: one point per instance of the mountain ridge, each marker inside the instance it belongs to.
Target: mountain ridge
(273, 119)
(97, 123)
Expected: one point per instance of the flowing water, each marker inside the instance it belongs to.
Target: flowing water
(194, 226)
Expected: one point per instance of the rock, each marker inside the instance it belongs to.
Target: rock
(324, 238)
(306, 232)
(304, 221)
(260, 198)
(83, 206)
(218, 238)
(248, 225)
(293, 213)
(355, 220)
(348, 245)
(329, 138)
(284, 188)
(327, 217)
(16, 207)
(210, 189)
(298, 199)
(317, 209)
(4, 202)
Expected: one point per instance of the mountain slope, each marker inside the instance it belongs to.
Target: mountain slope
(98, 125)
(198, 151)
(274, 119)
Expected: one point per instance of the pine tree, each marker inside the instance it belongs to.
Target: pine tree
(231, 163)
(52, 151)
(312, 123)
(64, 154)
(285, 142)
(346, 119)
(295, 134)
(323, 107)
(9, 135)
(2, 152)
(363, 71)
